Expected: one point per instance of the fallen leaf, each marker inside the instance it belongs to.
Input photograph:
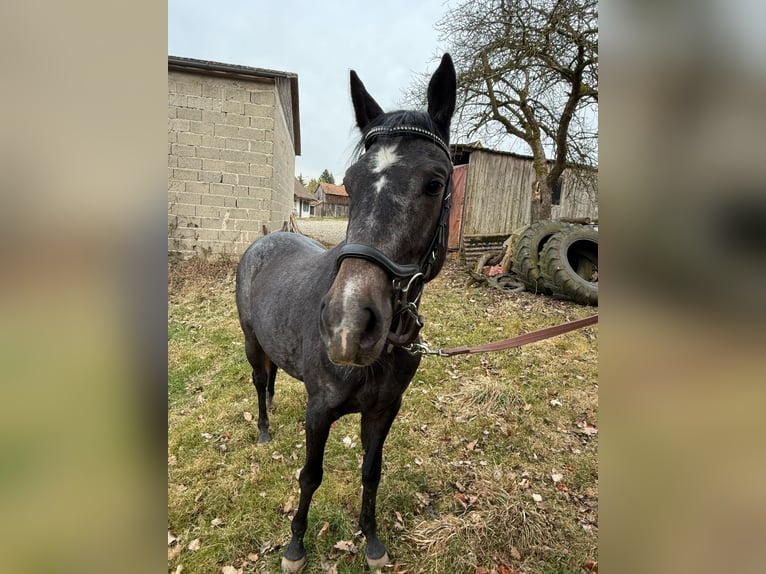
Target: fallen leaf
(328, 567)
(346, 546)
(253, 557)
(557, 477)
(216, 522)
(194, 544)
(515, 554)
(480, 570)
(555, 403)
(323, 531)
(589, 430)
(172, 460)
(173, 552)
(248, 416)
(471, 445)
(537, 498)
(231, 570)
(171, 538)
(288, 507)
(418, 461)
(348, 442)
(590, 566)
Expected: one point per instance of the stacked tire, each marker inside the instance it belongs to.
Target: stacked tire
(558, 259)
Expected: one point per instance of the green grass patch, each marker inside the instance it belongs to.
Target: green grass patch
(477, 441)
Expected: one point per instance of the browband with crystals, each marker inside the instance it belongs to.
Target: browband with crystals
(402, 130)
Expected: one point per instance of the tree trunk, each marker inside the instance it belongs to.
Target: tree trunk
(542, 195)
(542, 192)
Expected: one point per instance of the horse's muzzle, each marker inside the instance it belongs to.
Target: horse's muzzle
(355, 316)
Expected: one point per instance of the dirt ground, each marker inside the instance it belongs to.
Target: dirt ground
(328, 231)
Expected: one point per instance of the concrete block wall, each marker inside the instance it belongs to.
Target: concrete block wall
(230, 157)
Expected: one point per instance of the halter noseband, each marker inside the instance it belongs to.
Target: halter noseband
(408, 279)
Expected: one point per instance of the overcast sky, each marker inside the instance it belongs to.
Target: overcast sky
(386, 42)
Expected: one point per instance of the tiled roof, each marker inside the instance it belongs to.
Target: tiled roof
(331, 189)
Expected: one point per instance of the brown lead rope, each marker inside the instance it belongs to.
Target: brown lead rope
(517, 341)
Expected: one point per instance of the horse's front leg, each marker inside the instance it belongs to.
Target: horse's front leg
(375, 429)
(318, 421)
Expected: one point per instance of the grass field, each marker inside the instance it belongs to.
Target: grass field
(491, 465)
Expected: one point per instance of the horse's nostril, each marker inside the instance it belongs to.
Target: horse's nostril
(372, 322)
(371, 330)
(323, 317)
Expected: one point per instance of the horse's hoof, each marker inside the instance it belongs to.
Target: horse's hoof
(264, 438)
(292, 566)
(375, 563)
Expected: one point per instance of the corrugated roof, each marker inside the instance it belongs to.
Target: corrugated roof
(461, 152)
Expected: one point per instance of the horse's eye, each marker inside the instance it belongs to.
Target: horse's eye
(434, 187)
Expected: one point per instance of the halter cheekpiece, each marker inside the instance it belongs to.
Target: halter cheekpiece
(408, 279)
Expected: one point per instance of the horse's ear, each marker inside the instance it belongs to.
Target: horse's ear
(442, 92)
(365, 107)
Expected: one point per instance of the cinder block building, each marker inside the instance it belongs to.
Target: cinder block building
(233, 134)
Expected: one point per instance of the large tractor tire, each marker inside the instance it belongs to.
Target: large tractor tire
(569, 265)
(526, 252)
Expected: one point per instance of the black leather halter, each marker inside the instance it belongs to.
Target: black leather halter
(408, 279)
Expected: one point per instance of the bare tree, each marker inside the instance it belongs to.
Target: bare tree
(528, 69)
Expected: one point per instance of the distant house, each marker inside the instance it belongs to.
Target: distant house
(304, 202)
(332, 200)
(233, 134)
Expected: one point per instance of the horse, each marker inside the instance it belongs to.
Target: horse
(345, 320)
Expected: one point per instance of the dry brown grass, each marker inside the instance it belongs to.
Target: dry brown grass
(476, 438)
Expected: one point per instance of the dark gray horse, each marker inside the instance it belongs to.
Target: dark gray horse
(344, 321)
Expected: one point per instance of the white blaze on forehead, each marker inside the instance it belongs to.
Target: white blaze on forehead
(384, 158)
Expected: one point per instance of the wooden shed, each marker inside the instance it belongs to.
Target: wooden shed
(332, 200)
(492, 195)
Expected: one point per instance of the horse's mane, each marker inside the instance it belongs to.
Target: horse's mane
(398, 118)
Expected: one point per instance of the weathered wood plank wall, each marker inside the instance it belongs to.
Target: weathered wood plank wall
(498, 192)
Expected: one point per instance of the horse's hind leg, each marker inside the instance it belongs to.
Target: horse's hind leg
(264, 372)
(270, 391)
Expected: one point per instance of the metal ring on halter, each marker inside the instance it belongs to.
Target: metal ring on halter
(409, 284)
